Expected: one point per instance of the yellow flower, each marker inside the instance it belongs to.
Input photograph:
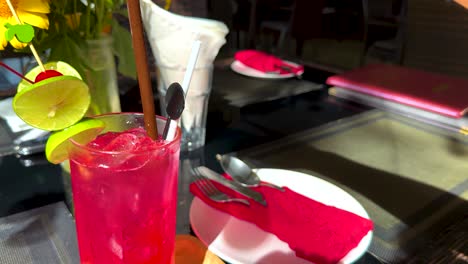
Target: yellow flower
(32, 12)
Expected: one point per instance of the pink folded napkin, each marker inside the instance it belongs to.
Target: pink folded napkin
(267, 63)
(317, 232)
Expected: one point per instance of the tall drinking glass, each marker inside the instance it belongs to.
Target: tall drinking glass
(125, 197)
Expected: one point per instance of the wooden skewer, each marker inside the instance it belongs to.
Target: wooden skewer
(33, 50)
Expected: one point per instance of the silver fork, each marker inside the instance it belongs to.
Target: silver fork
(208, 189)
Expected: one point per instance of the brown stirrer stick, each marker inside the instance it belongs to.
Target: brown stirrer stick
(144, 81)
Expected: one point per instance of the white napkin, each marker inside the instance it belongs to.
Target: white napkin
(171, 36)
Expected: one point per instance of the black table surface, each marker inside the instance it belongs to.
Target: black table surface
(31, 182)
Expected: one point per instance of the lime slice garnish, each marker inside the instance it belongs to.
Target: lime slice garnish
(83, 132)
(54, 103)
(60, 66)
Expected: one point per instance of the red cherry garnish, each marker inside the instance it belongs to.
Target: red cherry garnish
(46, 74)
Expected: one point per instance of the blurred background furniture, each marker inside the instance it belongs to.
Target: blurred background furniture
(437, 38)
(307, 22)
(280, 22)
(425, 34)
(384, 33)
(186, 7)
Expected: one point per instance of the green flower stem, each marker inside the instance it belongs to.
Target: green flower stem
(100, 15)
(88, 16)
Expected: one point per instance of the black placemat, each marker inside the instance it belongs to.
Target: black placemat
(45, 235)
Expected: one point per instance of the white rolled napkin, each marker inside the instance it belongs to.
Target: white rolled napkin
(171, 38)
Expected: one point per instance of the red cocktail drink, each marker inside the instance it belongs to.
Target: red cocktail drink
(124, 193)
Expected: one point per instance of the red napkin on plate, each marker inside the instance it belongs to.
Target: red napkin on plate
(267, 63)
(317, 232)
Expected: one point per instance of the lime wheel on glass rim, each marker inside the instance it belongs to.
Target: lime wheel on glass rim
(82, 132)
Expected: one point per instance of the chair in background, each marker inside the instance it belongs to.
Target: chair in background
(307, 22)
(384, 33)
(242, 20)
(282, 26)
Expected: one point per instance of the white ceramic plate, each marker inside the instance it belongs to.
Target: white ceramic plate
(243, 69)
(240, 242)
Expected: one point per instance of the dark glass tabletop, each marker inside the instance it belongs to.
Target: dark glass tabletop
(29, 182)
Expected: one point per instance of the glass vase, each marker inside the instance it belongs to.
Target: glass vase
(101, 77)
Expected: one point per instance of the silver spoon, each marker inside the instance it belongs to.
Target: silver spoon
(241, 172)
(175, 104)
